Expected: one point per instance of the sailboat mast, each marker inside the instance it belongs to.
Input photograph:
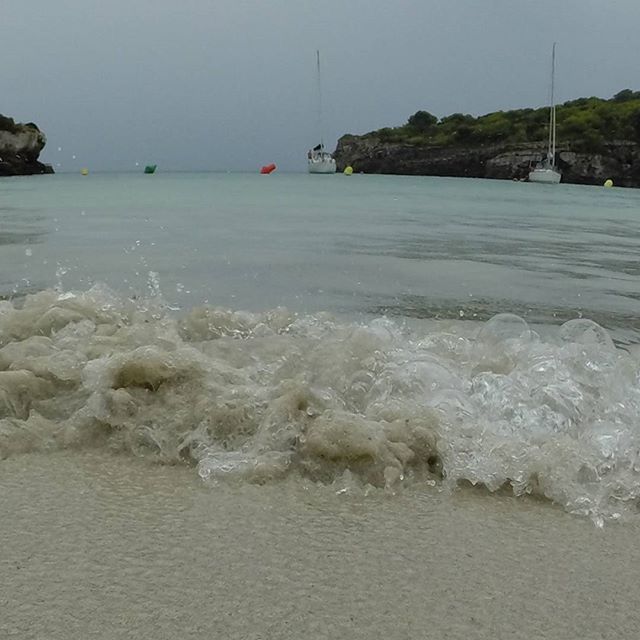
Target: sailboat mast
(319, 101)
(552, 124)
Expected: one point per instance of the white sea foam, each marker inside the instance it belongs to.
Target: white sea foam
(255, 396)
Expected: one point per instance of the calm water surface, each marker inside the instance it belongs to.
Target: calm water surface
(402, 246)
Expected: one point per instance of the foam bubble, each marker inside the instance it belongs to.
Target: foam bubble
(251, 397)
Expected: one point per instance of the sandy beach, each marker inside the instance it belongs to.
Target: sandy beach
(100, 546)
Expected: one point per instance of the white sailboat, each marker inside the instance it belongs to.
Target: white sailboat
(319, 160)
(546, 171)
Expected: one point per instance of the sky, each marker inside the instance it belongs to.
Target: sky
(232, 84)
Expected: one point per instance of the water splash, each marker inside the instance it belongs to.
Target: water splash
(251, 397)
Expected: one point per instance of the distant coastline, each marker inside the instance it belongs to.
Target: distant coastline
(20, 147)
(597, 140)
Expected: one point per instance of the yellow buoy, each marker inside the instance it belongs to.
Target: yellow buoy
(608, 183)
(84, 172)
(348, 170)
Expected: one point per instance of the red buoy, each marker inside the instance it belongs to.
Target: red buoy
(268, 168)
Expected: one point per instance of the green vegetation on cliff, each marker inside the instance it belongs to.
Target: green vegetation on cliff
(8, 124)
(11, 126)
(586, 123)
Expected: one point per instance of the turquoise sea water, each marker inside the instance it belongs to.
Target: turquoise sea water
(404, 246)
(363, 331)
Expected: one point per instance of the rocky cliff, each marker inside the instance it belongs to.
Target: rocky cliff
(618, 161)
(20, 146)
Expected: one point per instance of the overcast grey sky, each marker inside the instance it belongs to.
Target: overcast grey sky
(231, 84)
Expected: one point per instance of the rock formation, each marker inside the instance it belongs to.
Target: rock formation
(20, 146)
(618, 161)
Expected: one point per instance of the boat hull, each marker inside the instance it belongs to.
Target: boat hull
(546, 176)
(326, 165)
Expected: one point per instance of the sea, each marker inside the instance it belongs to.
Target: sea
(344, 406)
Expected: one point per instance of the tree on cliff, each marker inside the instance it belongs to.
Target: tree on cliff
(625, 95)
(8, 124)
(422, 121)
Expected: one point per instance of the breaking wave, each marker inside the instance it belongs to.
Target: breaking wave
(257, 396)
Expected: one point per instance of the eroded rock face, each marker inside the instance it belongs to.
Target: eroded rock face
(618, 161)
(20, 147)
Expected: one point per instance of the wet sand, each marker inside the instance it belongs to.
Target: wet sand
(94, 545)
